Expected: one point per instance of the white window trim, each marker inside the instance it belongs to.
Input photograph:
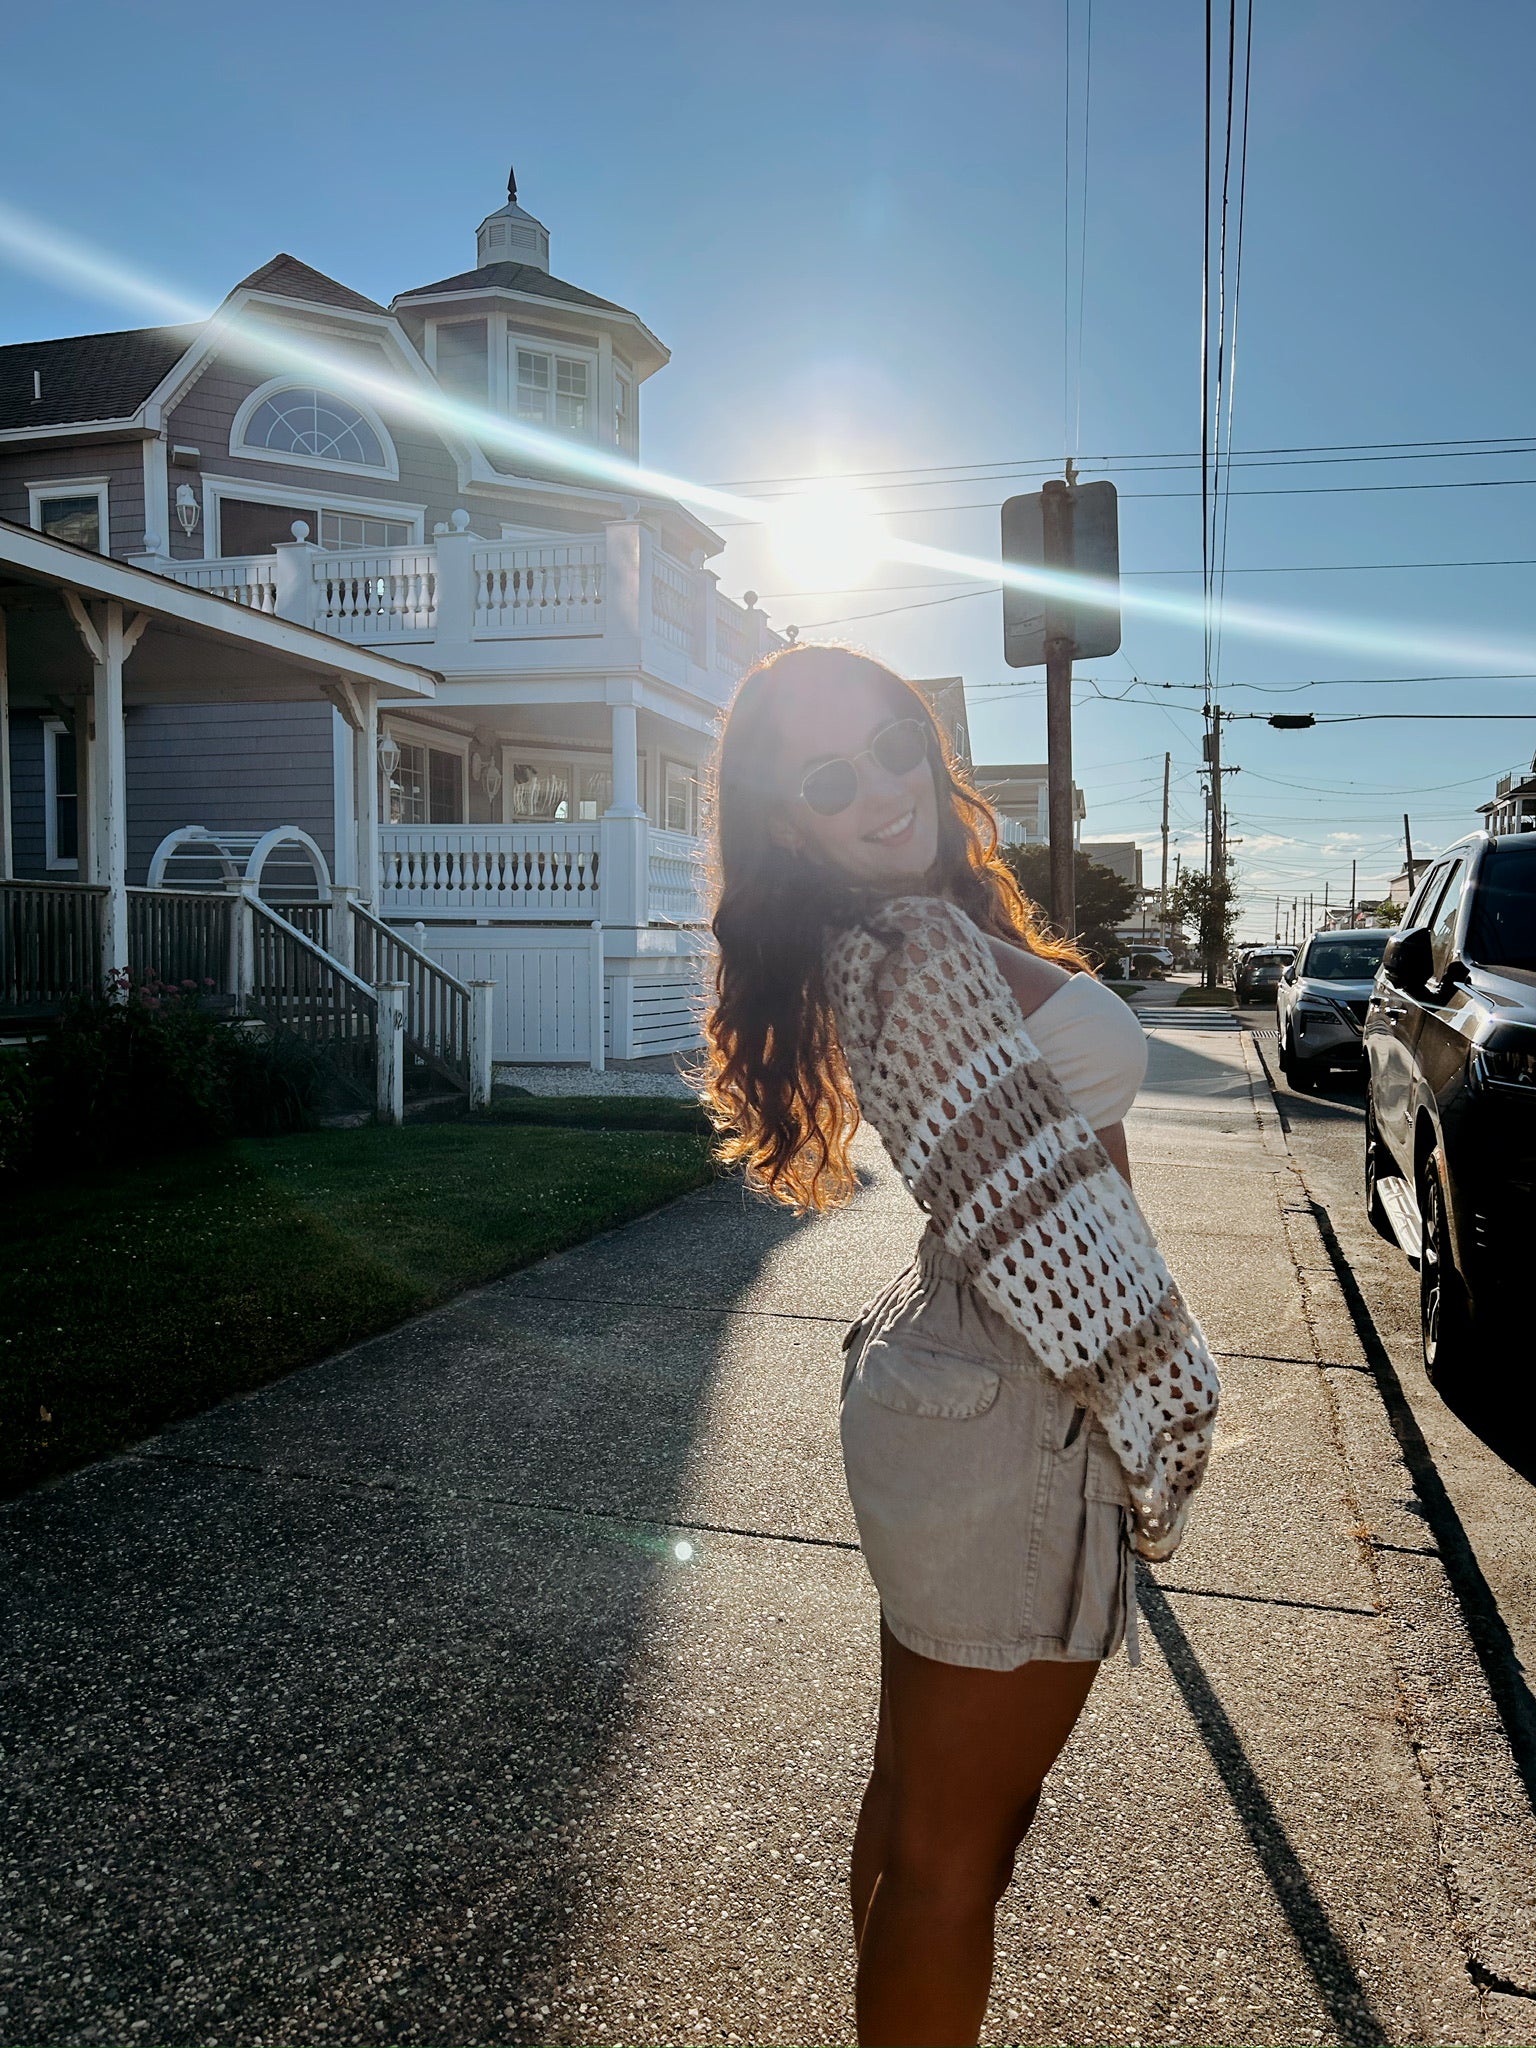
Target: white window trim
(691, 770)
(285, 459)
(72, 487)
(540, 344)
(218, 488)
(52, 728)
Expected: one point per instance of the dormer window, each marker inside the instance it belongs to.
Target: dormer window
(554, 390)
(287, 422)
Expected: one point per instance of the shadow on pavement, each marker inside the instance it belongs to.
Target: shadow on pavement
(312, 1720)
(1327, 1960)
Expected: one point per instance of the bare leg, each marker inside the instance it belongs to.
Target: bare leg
(969, 1752)
(871, 1838)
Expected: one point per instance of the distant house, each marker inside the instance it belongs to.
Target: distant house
(1121, 856)
(1017, 792)
(1512, 807)
(311, 456)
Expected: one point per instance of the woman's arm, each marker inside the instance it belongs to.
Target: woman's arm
(1031, 979)
(1112, 1138)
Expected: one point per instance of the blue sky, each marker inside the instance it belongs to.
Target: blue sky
(846, 222)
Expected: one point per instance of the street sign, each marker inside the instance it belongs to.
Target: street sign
(1091, 623)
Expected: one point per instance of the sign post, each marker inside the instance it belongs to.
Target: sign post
(1065, 529)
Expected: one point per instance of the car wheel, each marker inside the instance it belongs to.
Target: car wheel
(1445, 1321)
(1373, 1174)
(1286, 1057)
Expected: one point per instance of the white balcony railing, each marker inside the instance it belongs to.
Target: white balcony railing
(462, 595)
(386, 594)
(537, 872)
(676, 878)
(539, 590)
(247, 579)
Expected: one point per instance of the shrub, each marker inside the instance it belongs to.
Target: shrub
(148, 1067)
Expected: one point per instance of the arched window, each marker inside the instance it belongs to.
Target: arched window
(301, 423)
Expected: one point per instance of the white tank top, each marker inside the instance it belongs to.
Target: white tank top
(1094, 1045)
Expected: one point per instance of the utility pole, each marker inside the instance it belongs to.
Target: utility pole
(1056, 518)
(1163, 884)
(1407, 851)
(1353, 867)
(1277, 920)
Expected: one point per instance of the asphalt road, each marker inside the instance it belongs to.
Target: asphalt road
(1482, 1438)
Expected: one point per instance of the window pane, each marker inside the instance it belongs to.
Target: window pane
(407, 793)
(317, 423)
(532, 385)
(447, 774)
(570, 395)
(678, 806)
(540, 791)
(247, 528)
(73, 519)
(461, 358)
(66, 823)
(596, 792)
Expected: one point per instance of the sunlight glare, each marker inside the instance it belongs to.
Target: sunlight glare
(826, 538)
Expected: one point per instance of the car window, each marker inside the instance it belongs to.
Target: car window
(1443, 931)
(1347, 956)
(1501, 931)
(1422, 902)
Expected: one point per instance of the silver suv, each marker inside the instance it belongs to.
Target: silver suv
(1321, 1001)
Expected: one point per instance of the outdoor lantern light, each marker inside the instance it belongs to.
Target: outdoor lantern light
(492, 781)
(389, 755)
(188, 510)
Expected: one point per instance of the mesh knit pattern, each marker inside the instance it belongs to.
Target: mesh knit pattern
(1023, 1192)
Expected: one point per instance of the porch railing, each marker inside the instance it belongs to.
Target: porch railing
(390, 594)
(551, 588)
(50, 943)
(437, 1006)
(179, 936)
(672, 602)
(675, 879)
(297, 987)
(532, 871)
(736, 645)
(248, 579)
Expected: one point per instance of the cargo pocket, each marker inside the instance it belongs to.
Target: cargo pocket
(1102, 1592)
(914, 1379)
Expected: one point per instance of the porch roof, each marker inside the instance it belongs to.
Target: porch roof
(196, 648)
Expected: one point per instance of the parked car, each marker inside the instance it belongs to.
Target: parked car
(1321, 1001)
(1259, 970)
(1450, 1124)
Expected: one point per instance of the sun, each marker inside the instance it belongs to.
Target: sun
(825, 539)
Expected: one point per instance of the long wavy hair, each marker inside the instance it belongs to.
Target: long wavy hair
(773, 1078)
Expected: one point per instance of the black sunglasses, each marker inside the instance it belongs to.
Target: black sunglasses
(831, 786)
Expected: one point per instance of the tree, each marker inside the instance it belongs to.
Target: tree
(1384, 912)
(1103, 898)
(1212, 909)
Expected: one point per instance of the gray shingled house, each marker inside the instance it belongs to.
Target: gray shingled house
(309, 458)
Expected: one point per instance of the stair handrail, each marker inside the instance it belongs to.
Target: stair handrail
(438, 1005)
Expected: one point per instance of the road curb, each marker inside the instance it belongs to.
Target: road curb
(1461, 1695)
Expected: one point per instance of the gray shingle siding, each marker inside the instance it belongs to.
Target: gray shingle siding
(28, 845)
(242, 767)
(120, 462)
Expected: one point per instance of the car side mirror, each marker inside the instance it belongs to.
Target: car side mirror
(1289, 974)
(1408, 960)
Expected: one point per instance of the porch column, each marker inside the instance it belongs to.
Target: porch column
(109, 796)
(7, 867)
(366, 778)
(625, 834)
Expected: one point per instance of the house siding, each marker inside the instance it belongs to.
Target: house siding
(120, 462)
(29, 852)
(235, 767)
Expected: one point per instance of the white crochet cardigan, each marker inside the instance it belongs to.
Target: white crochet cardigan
(1023, 1193)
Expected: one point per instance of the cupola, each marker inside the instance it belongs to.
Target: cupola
(512, 235)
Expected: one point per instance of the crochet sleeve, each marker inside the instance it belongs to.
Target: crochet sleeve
(1023, 1193)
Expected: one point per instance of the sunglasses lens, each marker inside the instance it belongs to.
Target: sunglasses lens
(900, 747)
(831, 788)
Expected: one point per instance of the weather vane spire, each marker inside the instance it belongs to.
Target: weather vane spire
(512, 185)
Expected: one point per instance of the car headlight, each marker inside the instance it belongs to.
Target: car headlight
(1503, 1066)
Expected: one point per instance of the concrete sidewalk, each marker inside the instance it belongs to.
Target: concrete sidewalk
(390, 1703)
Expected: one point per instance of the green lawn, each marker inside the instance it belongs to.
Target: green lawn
(130, 1297)
(1208, 998)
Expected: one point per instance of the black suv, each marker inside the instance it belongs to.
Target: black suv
(1450, 1121)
